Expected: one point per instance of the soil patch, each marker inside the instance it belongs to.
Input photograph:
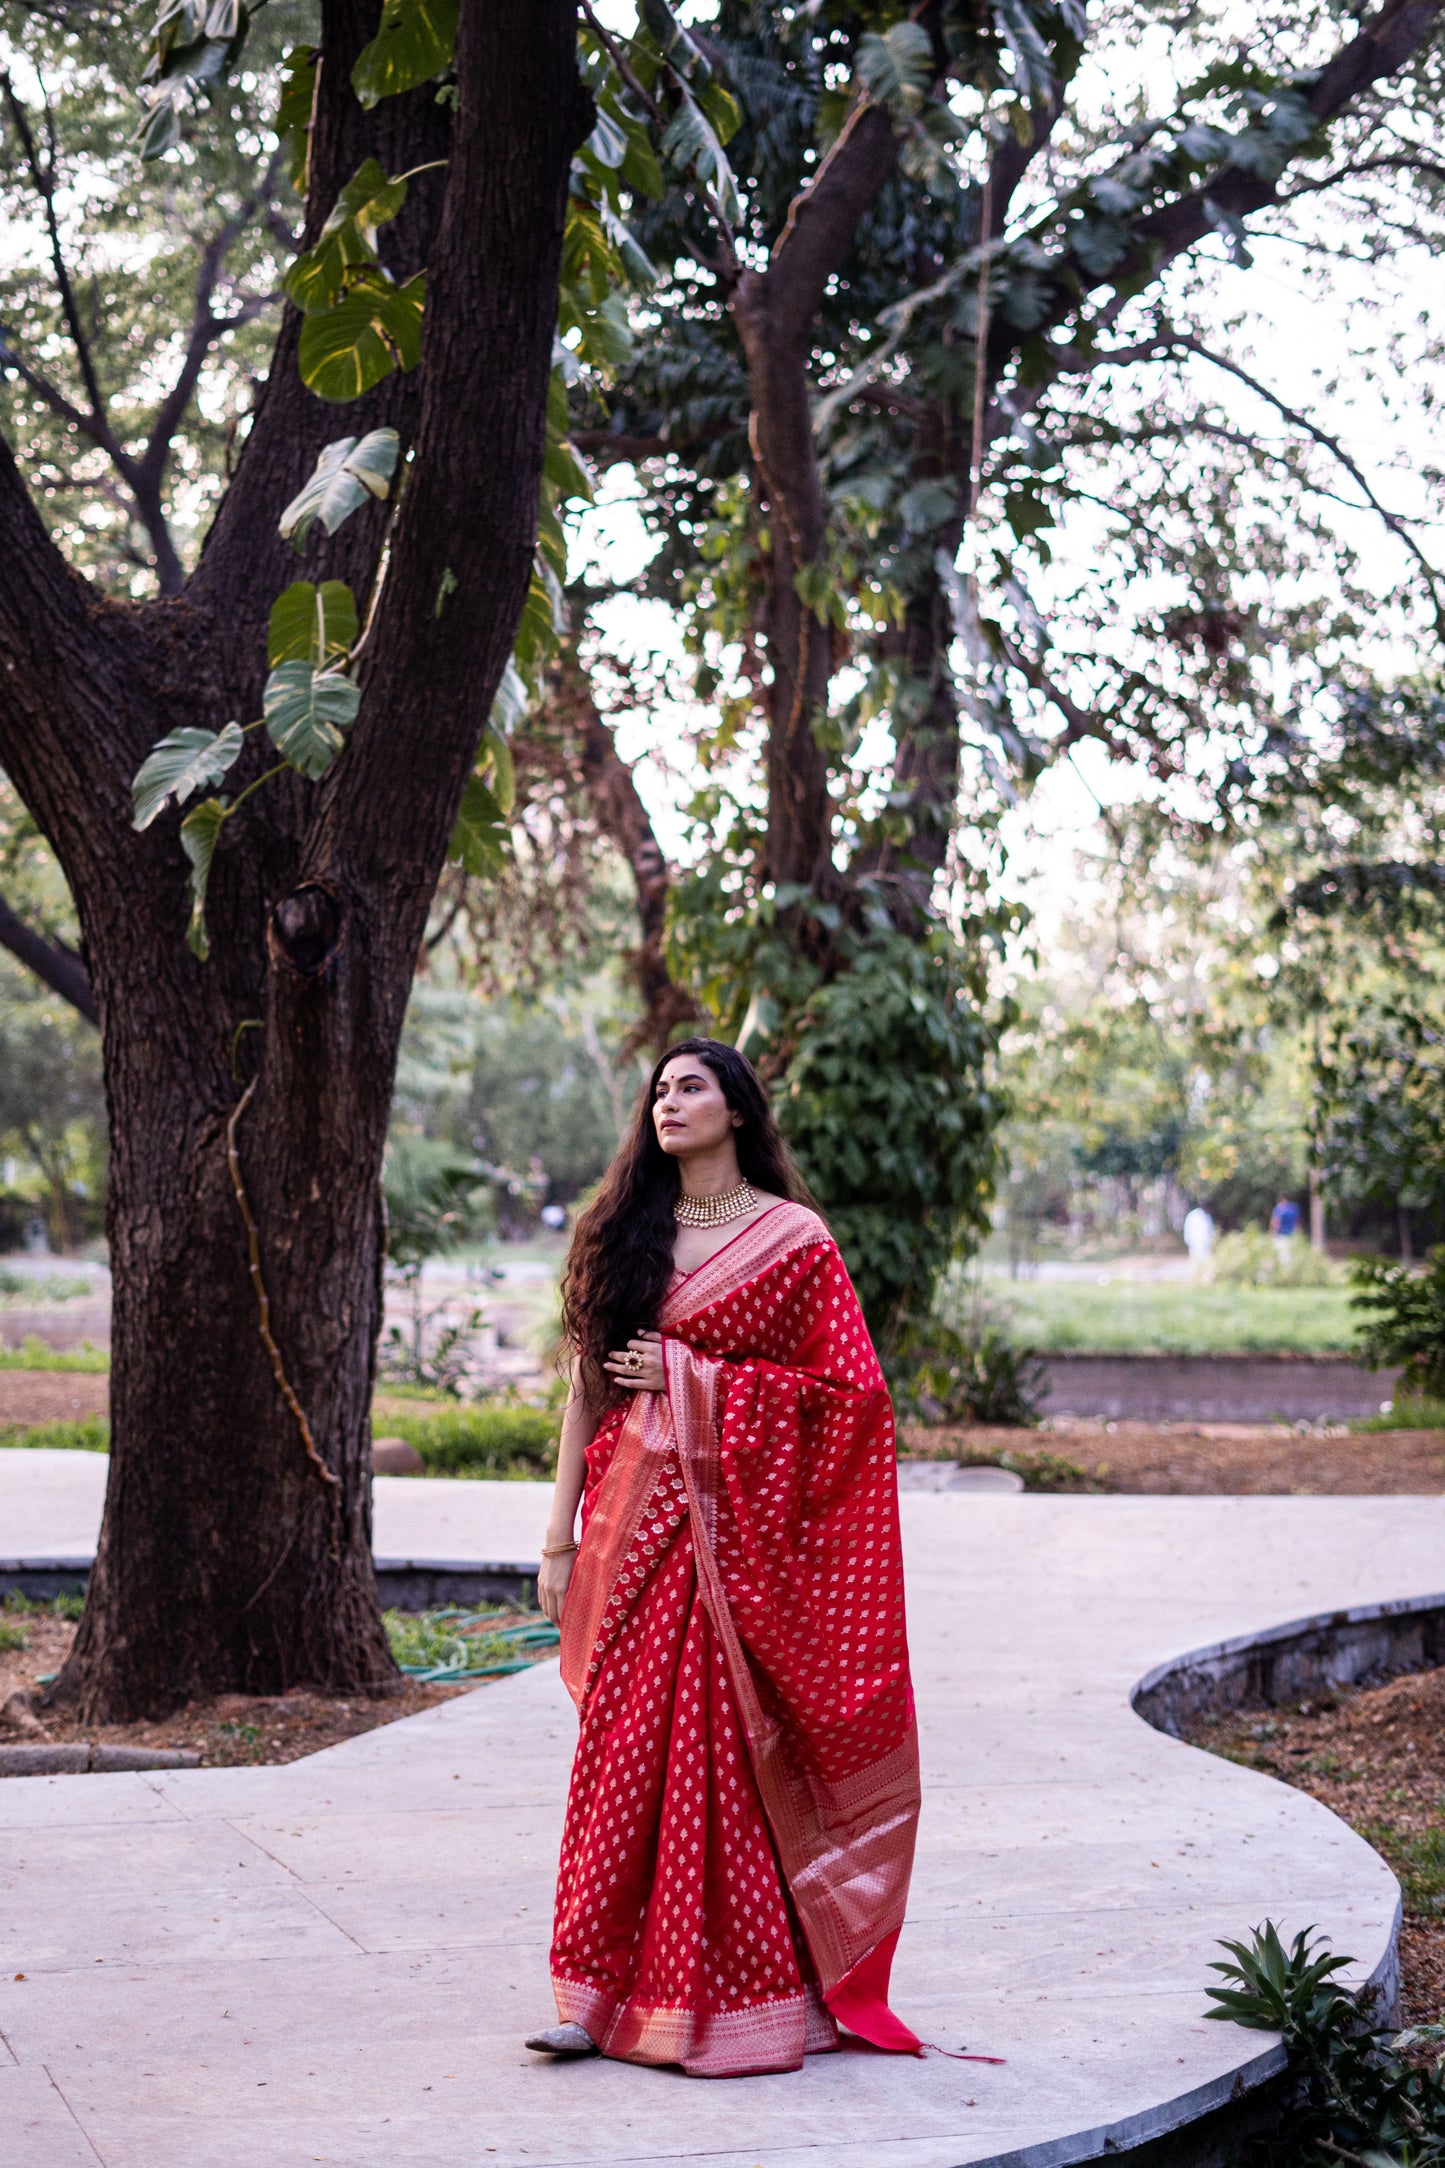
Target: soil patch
(228, 1732)
(1376, 1756)
(52, 1396)
(1200, 1459)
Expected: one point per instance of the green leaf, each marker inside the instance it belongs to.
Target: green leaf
(479, 839)
(896, 70)
(511, 702)
(185, 761)
(415, 41)
(293, 115)
(312, 624)
(199, 833)
(376, 329)
(502, 769)
(307, 715)
(348, 471)
(343, 250)
(692, 145)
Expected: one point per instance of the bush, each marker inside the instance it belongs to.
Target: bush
(91, 1435)
(34, 1354)
(1251, 1258)
(1404, 1319)
(1356, 2097)
(886, 1105)
(489, 1439)
(943, 1376)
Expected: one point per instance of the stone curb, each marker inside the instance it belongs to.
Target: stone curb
(82, 1757)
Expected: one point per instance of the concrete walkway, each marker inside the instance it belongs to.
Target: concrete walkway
(335, 1961)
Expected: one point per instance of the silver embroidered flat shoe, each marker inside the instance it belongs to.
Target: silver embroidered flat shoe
(568, 2039)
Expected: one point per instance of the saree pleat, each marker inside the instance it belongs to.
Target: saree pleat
(740, 1826)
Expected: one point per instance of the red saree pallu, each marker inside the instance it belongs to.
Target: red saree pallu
(744, 1799)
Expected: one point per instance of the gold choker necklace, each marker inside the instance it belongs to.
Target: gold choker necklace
(714, 1211)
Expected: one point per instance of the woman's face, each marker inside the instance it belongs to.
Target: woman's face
(689, 1111)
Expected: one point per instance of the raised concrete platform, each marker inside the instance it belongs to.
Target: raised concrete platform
(335, 1961)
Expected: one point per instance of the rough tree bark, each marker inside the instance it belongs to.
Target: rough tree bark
(776, 313)
(249, 1095)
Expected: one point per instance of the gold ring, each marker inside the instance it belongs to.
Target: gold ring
(632, 1362)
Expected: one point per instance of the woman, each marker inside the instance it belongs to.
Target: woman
(740, 1827)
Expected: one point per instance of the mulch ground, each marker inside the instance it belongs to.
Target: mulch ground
(228, 1732)
(1199, 1459)
(52, 1396)
(1376, 1756)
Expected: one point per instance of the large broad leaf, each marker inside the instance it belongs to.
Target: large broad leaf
(511, 702)
(321, 274)
(293, 115)
(312, 624)
(376, 329)
(182, 763)
(199, 831)
(307, 715)
(414, 42)
(348, 472)
(499, 768)
(896, 70)
(692, 144)
(479, 839)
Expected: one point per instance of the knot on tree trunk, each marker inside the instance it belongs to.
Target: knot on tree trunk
(306, 928)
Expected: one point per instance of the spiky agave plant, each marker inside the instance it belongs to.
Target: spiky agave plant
(1357, 2098)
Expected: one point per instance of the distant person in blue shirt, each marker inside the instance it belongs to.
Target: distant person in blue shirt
(1284, 1225)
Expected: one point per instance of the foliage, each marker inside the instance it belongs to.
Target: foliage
(1360, 2093)
(530, 1088)
(435, 1199)
(1406, 1411)
(887, 1105)
(33, 1354)
(434, 1647)
(1404, 1319)
(968, 1372)
(46, 1289)
(487, 1439)
(1163, 1317)
(1381, 1102)
(1251, 1258)
(52, 1106)
(90, 1435)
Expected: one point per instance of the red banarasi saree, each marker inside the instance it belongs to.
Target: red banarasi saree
(740, 1827)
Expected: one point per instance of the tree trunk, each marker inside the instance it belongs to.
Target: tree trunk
(249, 1096)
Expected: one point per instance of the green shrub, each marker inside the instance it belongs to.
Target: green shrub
(1405, 1412)
(34, 1354)
(1252, 1258)
(90, 1435)
(488, 1439)
(1404, 1314)
(1356, 2097)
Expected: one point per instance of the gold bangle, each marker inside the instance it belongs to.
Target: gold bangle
(557, 1550)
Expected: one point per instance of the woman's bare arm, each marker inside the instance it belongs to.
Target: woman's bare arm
(579, 1426)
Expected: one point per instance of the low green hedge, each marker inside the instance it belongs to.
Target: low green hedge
(92, 1435)
(491, 1439)
(498, 1439)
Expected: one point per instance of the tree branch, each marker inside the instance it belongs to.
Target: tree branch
(1398, 527)
(43, 178)
(62, 970)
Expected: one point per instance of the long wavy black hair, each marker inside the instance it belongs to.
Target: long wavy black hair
(621, 1256)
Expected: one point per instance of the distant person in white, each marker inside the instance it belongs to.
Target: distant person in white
(1198, 1234)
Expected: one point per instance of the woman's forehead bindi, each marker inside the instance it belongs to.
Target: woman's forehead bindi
(682, 1076)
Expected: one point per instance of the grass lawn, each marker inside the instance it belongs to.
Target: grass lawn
(1173, 1317)
(35, 1354)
